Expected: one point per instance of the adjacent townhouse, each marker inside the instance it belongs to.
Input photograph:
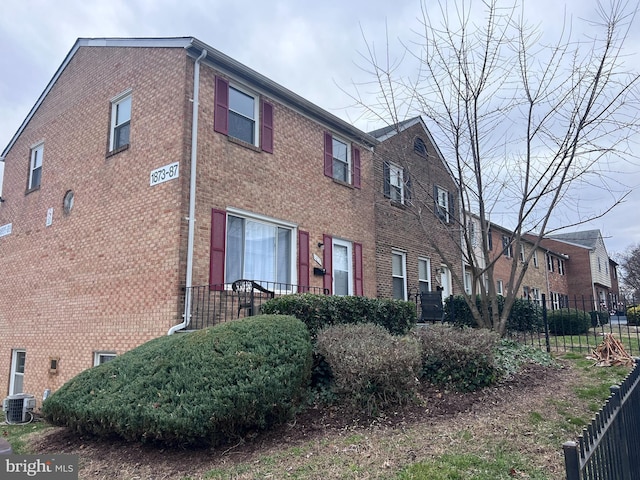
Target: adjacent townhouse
(417, 226)
(590, 280)
(152, 169)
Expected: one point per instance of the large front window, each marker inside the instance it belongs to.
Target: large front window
(258, 250)
(242, 115)
(342, 269)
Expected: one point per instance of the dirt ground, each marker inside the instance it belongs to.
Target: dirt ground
(439, 414)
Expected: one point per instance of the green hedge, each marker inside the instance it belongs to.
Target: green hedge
(599, 318)
(319, 311)
(463, 359)
(568, 322)
(525, 315)
(204, 387)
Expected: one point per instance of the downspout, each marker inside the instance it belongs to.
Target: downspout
(192, 198)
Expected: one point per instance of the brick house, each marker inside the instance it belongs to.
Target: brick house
(148, 166)
(417, 226)
(589, 281)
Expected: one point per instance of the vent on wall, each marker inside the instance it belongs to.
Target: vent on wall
(18, 408)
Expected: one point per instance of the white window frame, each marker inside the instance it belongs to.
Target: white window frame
(14, 373)
(334, 158)
(396, 183)
(472, 233)
(507, 246)
(256, 112)
(115, 103)
(424, 281)
(97, 356)
(402, 275)
(500, 287)
(535, 259)
(269, 221)
(467, 281)
(35, 163)
(536, 295)
(560, 266)
(522, 252)
(555, 301)
(443, 202)
(349, 246)
(549, 262)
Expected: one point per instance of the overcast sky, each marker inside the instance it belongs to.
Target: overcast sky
(311, 47)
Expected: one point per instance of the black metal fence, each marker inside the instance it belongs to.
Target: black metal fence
(608, 447)
(213, 304)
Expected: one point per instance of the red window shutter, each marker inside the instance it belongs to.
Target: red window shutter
(355, 167)
(303, 261)
(221, 113)
(328, 155)
(357, 271)
(327, 263)
(218, 237)
(267, 127)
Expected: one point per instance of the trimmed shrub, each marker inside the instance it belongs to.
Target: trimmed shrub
(599, 318)
(203, 387)
(633, 315)
(319, 311)
(459, 358)
(371, 367)
(525, 315)
(568, 322)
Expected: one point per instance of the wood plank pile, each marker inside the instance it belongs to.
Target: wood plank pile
(611, 352)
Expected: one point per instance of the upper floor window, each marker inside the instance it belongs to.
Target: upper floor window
(535, 259)
(500, 287)
(489, 239)
(341, 160)
(549, 262)
(522, 253)
(35, 168)
(240, 114)
(599, 265)
(396, 183)
(507, 248)
(443, 203)
(120, 121)
(471, 230)
(560, 266)
(420, 147)
(243, 112)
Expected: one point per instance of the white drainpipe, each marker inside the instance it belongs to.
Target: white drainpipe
(192, 198)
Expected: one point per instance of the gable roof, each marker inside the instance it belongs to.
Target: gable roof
(217, 60)
(586, 238)
(384, 133)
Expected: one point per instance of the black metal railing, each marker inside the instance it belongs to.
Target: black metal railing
(607, 448)
(213, 304)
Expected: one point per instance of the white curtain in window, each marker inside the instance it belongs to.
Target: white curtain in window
(341, 269)
(259, 253)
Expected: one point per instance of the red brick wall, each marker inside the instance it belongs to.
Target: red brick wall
(106, 276)
(401, 227)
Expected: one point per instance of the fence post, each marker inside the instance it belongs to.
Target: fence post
(571, 460)
(546, 324)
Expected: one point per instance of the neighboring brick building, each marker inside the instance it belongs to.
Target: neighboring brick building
(415, 211)
(589, 280)
(98, 235)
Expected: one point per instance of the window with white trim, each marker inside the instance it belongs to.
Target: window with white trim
(522, 252)
(102, 357)
(500, 287)
(258, 249)
(16, 381)
(341, 160)
(342, 267)
(120, 121)
(424, 274)
(536, 295)
(35, 166)
(507, 247)
(555, 301)
(560, 266)
(396, 183)
(549, 262)
(243, 115)
(535, 259)
(399, 274)
(443, 206)
(467, 281)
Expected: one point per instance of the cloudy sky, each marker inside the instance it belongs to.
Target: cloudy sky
(311, 47)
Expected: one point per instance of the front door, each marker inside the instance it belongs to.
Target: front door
(445, 282)
(16, 381)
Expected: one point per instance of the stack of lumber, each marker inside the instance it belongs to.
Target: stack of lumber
(611, 352)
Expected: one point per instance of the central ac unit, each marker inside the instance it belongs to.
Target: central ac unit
(18, 408)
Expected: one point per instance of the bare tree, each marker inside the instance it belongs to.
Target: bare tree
(521, 123)
(630, 263)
